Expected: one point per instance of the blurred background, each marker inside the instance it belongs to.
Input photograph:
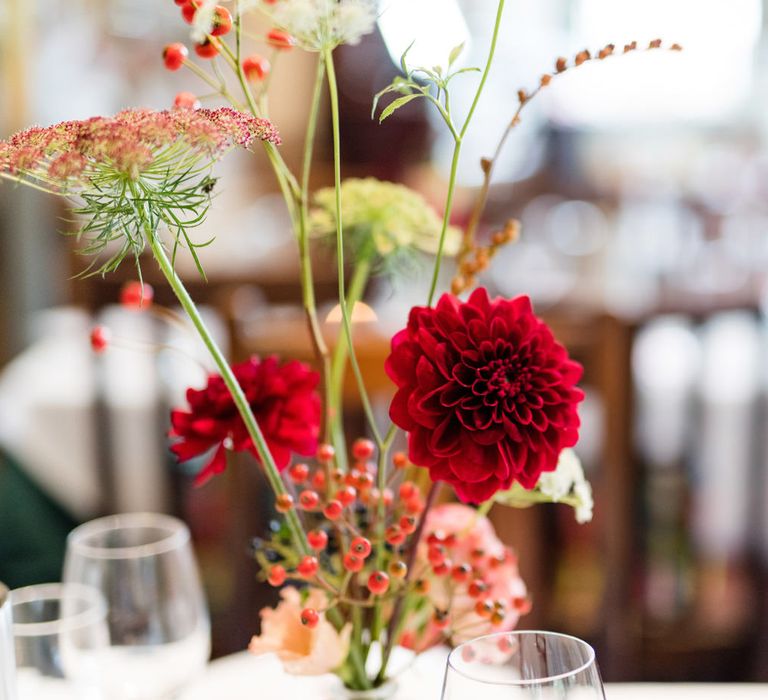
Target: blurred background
(641, 186)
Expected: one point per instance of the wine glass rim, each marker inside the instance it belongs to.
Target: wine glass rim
(525, 681)
(176, 535)
(96, 612)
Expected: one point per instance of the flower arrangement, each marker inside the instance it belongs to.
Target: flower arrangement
(486, 395)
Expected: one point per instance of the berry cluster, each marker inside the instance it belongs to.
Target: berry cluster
(255, 68)
(371, 544)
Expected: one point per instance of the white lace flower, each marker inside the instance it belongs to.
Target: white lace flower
(568, 482)
(203, 21)
(318, 25)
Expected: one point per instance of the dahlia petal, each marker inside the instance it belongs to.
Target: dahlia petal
(444, 440)
(190, 448)
(398, 410)
(418, 451)
(452, 394)
(216, 466)
(478, 492)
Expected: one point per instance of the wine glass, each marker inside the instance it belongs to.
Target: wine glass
(7, 661)
(157, 615)
(60, 631)
(523, 665)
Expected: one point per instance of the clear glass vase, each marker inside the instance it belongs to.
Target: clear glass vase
(386, 691)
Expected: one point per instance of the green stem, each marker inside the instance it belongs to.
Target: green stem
(305, 260)
(340, 353)
(334, 95)
(356, 648)
(487, 70)
(227, 375)
(446, 221)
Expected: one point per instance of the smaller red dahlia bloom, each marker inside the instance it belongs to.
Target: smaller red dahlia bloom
(487, 395)
(283, 399)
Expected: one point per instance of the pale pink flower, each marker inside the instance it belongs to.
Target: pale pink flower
(303, 651)
(497, 567)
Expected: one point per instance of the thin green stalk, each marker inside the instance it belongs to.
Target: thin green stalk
(334, 95)
(458, 139)
(227, 375)
(340, 353)
(446, 221)
(487, 70)
(305, 260)
(356, 646)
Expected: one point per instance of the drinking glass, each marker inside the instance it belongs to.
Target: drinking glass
(59, 632)
(7, 662)
(523, 665)
(156, 612)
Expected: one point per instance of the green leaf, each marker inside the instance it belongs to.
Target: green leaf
(518, 497)
(403, 57)
(455, 53)
(395, 105)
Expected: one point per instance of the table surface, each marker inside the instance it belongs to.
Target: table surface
(245, 677)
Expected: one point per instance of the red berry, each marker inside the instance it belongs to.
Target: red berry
(309, 499)
(361, 547)
(441, 619)
(308, 566)
(318, 540)
(352, 477)
(208, 48)
(414, 505)
(400, 460)
(310, 617)
(284, 502)
(387, 497)
(477, 555)
(408, 524)
(188, 11)
(298, 473)
(363, 449)
(180, 2)
(436, 537)
(422, 585)
(394, 535)
(522, 605)
(325, 452)
(337, 476)
(347, 495)
(484, 608)
(276, 576)
(364, 481)
(408, 490)
(135, 295)
(352, 562)
(281, 40)
(436, 554)
(477, 588)
(461, 573)
(378, 583)
(318, 479)
(442, 568)
(450, 540)
(174, 56)
(100, 337)
(333, 510)
(222, 21)
(186, 100)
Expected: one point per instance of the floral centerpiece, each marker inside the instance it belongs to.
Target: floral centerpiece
(367, 557)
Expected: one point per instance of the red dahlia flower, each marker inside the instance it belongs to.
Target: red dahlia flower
(487, 395)
(283, 400)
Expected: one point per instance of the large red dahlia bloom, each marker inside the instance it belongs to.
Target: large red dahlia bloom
(283, 399)
(487, 395)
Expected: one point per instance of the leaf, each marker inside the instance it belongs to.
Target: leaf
(402, 58)
(395, 105)
(399, 85)
(518, 497)
(455, 53)
(473, 69)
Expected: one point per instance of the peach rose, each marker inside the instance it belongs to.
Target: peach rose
(303, 651)
(473, 532)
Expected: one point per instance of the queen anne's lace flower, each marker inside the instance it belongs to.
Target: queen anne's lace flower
(203, 20)
(391, 217)
(321, 24)
(566, 481)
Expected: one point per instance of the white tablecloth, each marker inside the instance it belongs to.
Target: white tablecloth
(245, 677)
